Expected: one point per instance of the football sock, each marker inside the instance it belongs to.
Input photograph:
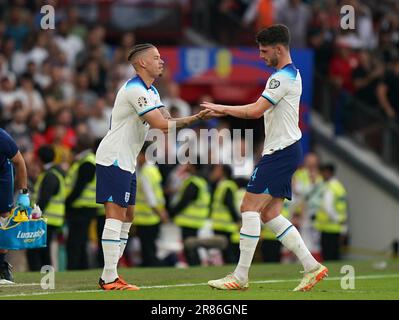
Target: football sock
(249, 236)
(111, 246)
(289, 236)
(124, 236)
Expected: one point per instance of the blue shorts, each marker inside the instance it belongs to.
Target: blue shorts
(6, 187)
(273, 173)
(115, 185)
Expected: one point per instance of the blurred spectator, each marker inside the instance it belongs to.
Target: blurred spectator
(50, 195)
(342, 65)
(82, 90)
(99, 119)
(80, 203)
(95, 47)
(42, 77)
(323, 49)
(17, 26)
(31, 99)
(62, 131)
(331, 218)
(75, 26)
(59, 94)
(260, 11)
(172, 98)
(224, 213)
(4, 66)
(18, 127)
(296, 16)
(191, 209)
(97, 77)
(366, 78)
(7, 96)
(67, 42)
(388, 91)
(37, 126)
(39, 53)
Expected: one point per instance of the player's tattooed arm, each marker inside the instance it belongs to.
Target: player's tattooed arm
(185, 121)
(164, 111)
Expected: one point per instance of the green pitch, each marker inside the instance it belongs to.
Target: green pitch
(268, 281)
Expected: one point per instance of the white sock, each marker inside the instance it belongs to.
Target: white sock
(249, 236)
(111, 246)
(124, 236)
(289, 236)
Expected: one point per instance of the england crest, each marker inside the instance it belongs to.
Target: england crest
(127, 196)
(273, 84)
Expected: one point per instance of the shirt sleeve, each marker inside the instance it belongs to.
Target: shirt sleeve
(139, 100)
(8, 146)
(276, 87)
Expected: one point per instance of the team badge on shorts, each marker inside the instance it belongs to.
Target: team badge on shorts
(127, 196)
(273, 84)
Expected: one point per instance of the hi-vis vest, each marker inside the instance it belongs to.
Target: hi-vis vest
(195, 214)
(323, 222)
(268, 234)
(55, 210)
(235, 236)
(221, 218)
(144, 215)
(87, 198)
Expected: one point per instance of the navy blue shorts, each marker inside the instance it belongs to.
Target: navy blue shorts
(6, 187)
(115, 185)
(273, 173)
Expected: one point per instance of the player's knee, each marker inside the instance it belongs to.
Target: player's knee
(247, 206)
(269, 214)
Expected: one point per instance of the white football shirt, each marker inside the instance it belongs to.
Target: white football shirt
(283, 89)
(128, 131)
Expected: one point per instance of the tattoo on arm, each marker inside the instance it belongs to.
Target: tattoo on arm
(165, 113)
(186, 121)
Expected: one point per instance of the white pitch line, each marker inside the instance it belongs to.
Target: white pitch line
(365, 277)
(18, 285)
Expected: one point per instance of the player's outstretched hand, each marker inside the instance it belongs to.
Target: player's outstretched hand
(216, 110)
(205, 114)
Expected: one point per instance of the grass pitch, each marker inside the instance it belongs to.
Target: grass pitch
(267, 282)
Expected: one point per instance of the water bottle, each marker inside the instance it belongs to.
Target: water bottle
(36, 212)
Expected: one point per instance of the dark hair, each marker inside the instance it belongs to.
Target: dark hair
(275, 34)
(46, 153)
(139, 48)
(330, 167)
